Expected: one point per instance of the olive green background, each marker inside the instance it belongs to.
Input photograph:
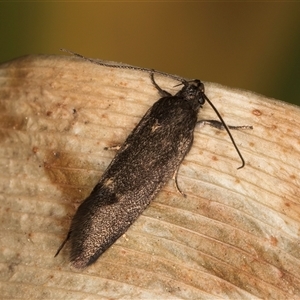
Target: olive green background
(247, 45)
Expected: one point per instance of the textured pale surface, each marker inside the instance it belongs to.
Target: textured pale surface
(235, 235)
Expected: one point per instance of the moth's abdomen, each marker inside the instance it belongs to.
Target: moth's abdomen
(99, 221)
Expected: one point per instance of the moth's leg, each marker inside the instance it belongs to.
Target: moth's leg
(219, 125)
(162, 92)
(176, 183)
(63, 244)
(116, 148)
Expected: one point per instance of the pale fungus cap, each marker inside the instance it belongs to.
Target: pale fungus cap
(236, 235)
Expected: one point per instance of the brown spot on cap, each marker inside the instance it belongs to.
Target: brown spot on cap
(256, 112)
(273, 241)
(35, 149)
(214, 158)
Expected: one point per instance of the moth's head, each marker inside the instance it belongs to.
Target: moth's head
(193, 90)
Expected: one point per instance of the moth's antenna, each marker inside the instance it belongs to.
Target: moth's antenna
(116, 65)
(228, 131)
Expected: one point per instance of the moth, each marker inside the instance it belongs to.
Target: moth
(148, 159)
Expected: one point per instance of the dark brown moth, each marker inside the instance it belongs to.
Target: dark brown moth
(149, 157)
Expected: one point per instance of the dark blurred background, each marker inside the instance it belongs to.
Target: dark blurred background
(247, 45)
